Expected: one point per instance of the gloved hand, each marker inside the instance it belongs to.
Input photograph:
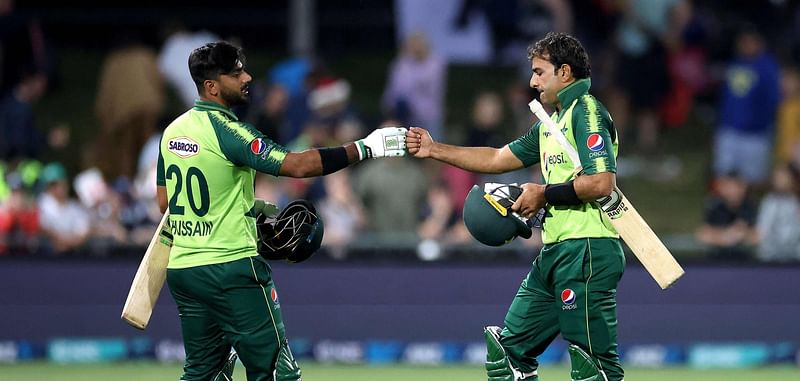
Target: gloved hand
(268, 209)
(383, 142)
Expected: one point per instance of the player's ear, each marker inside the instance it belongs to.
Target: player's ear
(211, 87)
(565, 74)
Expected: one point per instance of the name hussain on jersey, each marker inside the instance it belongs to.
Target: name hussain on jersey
(189, 228)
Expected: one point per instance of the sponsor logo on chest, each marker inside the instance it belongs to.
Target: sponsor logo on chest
(183, 147)
(550, 160)
(556, 159)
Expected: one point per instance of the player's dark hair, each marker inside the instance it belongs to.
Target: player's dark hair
(562, 49)
(212, 59)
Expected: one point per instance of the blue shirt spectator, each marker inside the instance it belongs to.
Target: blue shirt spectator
(20, 139)
(751, 94)
(748, 104)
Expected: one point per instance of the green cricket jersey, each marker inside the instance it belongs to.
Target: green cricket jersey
(587, 126)
(208, 161)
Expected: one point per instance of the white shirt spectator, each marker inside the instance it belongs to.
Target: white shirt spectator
(172, 61)
(68, 219)
(778, 227)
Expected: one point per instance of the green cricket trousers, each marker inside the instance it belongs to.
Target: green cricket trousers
(226, 305)
(571, 289)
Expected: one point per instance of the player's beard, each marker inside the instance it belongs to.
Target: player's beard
(236, 97)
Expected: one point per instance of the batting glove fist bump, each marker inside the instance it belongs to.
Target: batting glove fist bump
(383, 142)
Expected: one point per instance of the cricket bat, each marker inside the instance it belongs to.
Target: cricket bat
(149, 278)
(634, 230)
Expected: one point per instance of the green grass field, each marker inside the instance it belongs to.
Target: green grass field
(316, 372)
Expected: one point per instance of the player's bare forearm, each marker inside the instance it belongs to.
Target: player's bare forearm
(596, 186)
(302, 164)
(473, 159)
(382, 142)
(161, 194)
(308, 163)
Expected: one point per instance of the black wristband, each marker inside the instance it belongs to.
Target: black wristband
(561, 194)
(333, 159)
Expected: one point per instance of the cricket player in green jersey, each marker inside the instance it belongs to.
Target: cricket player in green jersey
(207, 163)
(571, 288)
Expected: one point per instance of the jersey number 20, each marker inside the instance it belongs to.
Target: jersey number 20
(192, 174)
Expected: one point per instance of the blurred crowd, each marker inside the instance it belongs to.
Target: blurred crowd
(659, 65)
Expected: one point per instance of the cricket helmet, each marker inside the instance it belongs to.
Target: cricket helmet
(488, 215)
(294, 235)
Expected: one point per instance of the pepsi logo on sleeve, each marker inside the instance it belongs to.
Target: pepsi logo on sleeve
(258, 146)
(595, 142)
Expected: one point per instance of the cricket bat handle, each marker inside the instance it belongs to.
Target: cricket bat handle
(538, 110)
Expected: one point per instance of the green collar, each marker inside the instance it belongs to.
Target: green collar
(201, 105)
(573, 91)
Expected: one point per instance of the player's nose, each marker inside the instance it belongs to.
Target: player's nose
(533, 83)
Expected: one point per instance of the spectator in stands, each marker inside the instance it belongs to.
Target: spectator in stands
(22, 46)
(788, 121)
(514, 22)
(65, 223)
(342, 212)
(416, 86)
(729, 222)
(778, 222)
(687, 63)
(518, 95)
(486, 127)
(298, 76)
(747, 108)
(393, 193)
(19, 219)
(332, 110)
(135, 211)
(438, 214)
(20, 138)
(174, 54)
(643, 38)
(442, 216)
(130, 99)
(139, 212)
(104, 205)
(269, 115)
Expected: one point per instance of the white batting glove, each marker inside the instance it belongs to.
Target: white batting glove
(265, 207)
(383, 142)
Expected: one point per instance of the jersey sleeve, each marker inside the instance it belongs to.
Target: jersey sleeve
(160, 178)
(526, 147)
(595, 136)
(244, 145)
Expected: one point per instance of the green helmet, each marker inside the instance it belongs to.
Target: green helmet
(489, 218)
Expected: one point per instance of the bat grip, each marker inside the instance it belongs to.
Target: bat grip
(535, 106)
(538, 110)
